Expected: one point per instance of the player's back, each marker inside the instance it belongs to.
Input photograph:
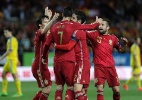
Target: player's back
(62, 32)
(12, 44)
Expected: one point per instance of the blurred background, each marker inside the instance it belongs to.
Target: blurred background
(125, 16)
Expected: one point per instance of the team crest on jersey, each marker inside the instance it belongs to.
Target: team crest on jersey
(110, 42)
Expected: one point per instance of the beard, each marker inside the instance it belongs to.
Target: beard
(102, 31)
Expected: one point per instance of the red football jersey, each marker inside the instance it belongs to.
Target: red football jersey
(39, 41)
(81, 48)
(102, 46)
(61, 33)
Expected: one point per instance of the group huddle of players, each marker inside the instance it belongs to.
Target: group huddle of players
(71, 37)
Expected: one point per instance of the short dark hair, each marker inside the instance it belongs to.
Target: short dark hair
(80, 16)
(8, 28)
(67, 11)
(39, 20)
(108, 21)
(135, 38)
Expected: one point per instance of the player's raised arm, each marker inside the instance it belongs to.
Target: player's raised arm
(86, 26)
(48, 26)
(48, 13)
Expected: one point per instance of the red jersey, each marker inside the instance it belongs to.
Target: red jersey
(61, 33)
(39, 41)
(81, 48)
(102, 46)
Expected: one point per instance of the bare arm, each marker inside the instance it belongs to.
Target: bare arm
(48, 26)
(5, 54)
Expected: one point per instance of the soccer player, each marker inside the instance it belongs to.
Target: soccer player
(82, 69)
(10, 66)
(40, 71)
(104, 66)
(64, 61)
(135, 62)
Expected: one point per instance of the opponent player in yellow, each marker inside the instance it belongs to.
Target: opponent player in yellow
(10, 66)
(135, 63)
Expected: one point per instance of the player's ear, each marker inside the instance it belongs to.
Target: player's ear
(39, 25)
(79, 21)
(108, 27)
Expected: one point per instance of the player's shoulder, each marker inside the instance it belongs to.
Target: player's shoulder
(92, 31)
(133, 47)
(14, 38)
(80, 34)
(58, 24)
(114, 36)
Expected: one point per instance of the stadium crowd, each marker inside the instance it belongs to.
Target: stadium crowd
(126, 17)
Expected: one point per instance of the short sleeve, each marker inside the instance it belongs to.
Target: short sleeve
(116, 42)
(91, 35)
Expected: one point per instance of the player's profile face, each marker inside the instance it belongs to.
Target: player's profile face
(45, 21)
(6, 33)
(74, 18)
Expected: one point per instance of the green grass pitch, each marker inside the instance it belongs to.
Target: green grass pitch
(30, 88)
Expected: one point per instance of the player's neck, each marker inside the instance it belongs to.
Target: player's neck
(106, 33)
(66, 18)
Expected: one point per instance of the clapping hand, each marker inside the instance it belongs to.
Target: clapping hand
(124, 41)
(48, 12)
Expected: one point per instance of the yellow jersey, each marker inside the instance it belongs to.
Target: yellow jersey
(12, 44)
(135, 51)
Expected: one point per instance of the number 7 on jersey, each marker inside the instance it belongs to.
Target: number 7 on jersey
(61, 36)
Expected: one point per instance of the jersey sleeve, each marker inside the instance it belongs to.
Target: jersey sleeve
(117, 44)
(47, 44)
(68, 46)
(116, 41)
(91, 35)
(78, 26)
(10, 44)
